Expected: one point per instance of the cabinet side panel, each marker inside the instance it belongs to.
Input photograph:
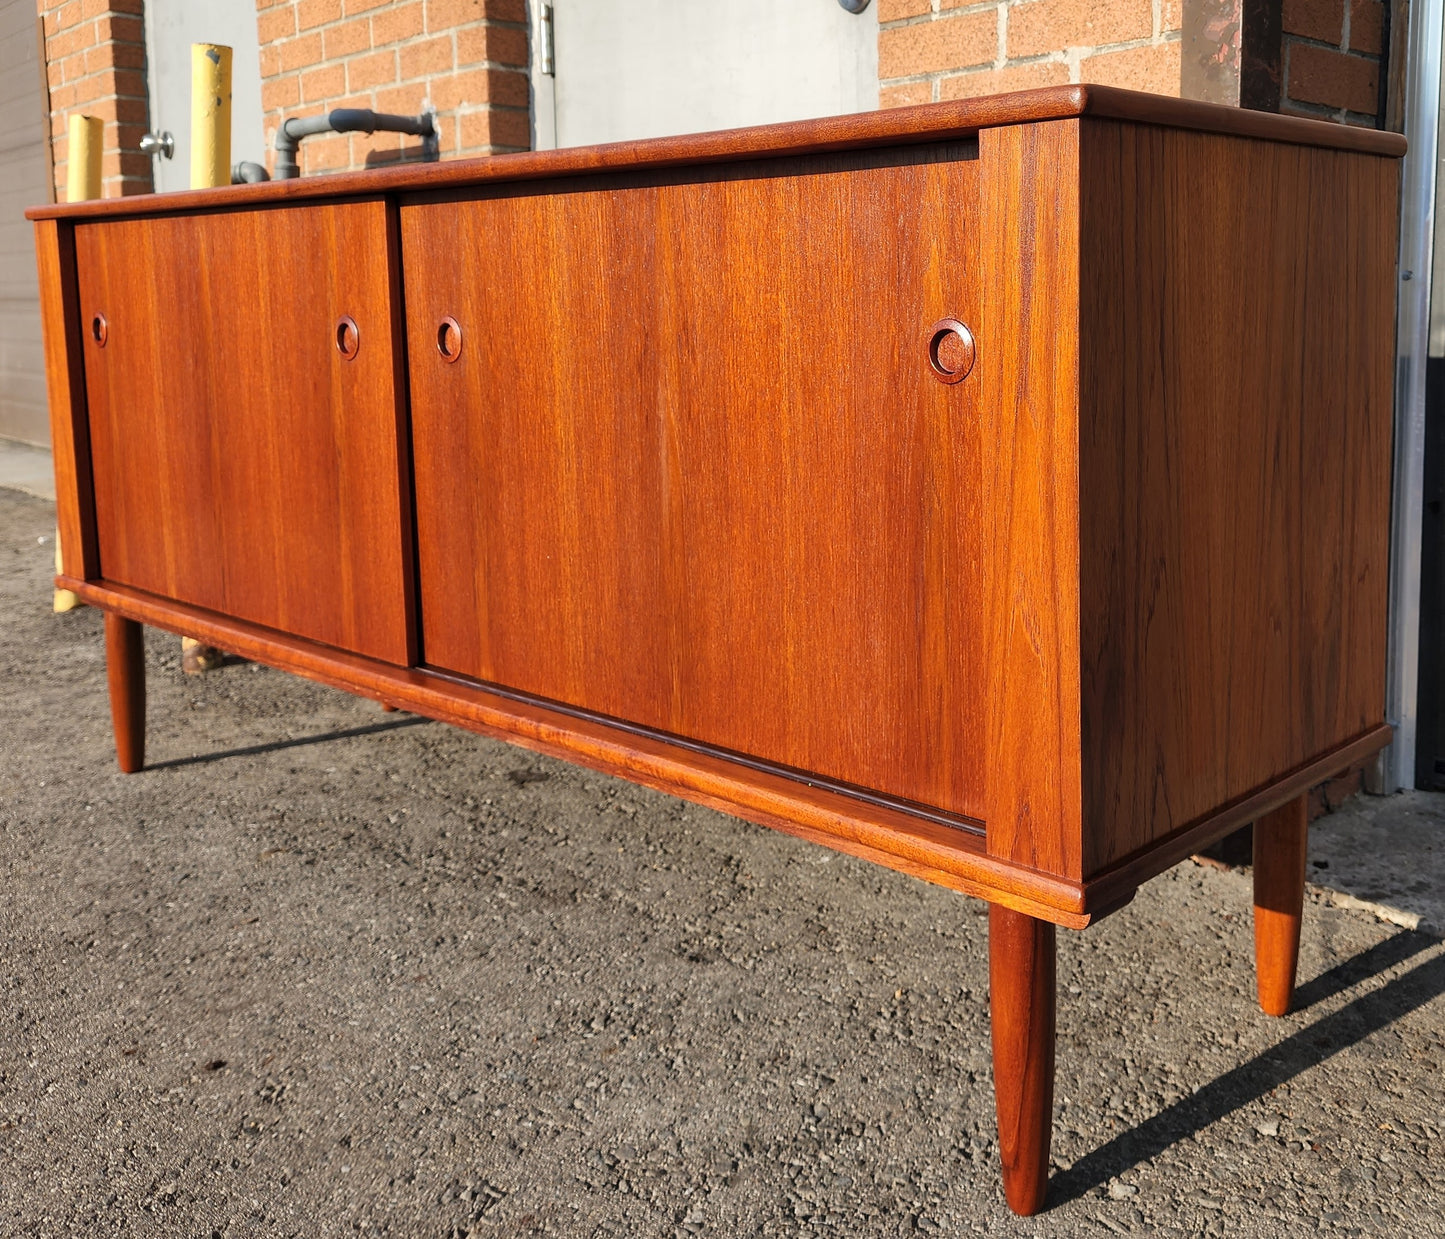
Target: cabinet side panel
(1029, 402)
(65, 387)
(1237, 305)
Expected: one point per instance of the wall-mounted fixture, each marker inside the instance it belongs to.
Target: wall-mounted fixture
(350, 120)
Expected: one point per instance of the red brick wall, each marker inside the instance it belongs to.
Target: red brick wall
(95, 63)
(949, 49)
(1331, 53)
(469, 58)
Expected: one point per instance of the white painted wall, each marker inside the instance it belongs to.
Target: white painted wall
(171, 26)
(644, 68)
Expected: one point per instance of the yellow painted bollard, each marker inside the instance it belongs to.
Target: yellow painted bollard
(65, 599)
(210, 167)
(210, 115)
(82, 181)
(82, 157)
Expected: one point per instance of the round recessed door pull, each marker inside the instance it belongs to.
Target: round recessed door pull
(348, 337)
(449, 339)
(99, 330)
(950, 350)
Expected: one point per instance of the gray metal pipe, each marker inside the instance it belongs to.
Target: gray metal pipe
(348, 120)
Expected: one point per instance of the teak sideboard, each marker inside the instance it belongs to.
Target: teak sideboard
(997, 490)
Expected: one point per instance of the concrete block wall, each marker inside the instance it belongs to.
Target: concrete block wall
(467, 58)
(951, 49)
(95, 64)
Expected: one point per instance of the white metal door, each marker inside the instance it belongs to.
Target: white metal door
(171, 27)
(642, 68)
(23, 124)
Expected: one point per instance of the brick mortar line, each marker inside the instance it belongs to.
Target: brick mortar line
(1005, 7)
(1331, 47)
(95, 47)
(90, 77)
(482, 23)
(347, 57)
(113, 67)
(481, 64)
(923, 19)
(1096, 49)
(1018, 62)
(80, 53)
(341, 62)
(977, 7)
(322, 103)
(1325, 110)
(371, 90)
(110, 68)
(1064, 56)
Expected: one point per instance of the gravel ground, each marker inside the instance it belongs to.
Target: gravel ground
(1389, 851)
(323, 971)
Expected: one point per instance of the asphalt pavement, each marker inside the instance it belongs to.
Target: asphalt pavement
(324, 971)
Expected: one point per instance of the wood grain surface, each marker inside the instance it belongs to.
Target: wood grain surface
(930, 122)
(1028, 376)
(872, 831)
(915, 845)
(125, 670)
(1281, 847)
(1237, 320)
(1022, 989)
(240, 462)
(65, 388)
(686, 478)
(1103, 889)
(692, 468)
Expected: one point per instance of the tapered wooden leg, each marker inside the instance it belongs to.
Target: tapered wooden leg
(125, 670)
(1021, 965)
(1280, 844)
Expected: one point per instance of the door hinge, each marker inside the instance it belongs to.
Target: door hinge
(549, 53)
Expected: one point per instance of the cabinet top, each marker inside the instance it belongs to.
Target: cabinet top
(929, 122)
